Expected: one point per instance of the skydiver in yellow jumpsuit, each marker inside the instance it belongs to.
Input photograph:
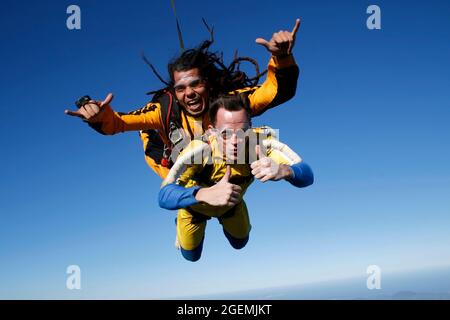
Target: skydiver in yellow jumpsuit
(210, 177)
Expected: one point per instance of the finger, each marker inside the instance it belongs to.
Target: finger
(266, 162)
(74, 114)
(259, 154)
(235, 194)
(265, 178)
(93, 109)
(296, 26)
(97, 103)
(266, 172)
(87, 110)
(277, 38)
(107, 100)
(231, 204)
(263, 162)
(260, 175)
(234, 199)
(237, 188)
(256, 171)
(263, 42)
(285, 36)
(226, 176)
(255, 164)
(291, 45)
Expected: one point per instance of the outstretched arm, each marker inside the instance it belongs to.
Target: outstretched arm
(265, 169)
(102, 118)
(282, 72)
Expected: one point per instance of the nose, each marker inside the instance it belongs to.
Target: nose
(190, 93)
(234, 139)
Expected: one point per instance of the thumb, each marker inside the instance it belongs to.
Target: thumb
(259, 154)
(227, 175)
(73, 113)
(107, 100)
(263, 42)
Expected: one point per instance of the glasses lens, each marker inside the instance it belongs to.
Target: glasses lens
(227, 134)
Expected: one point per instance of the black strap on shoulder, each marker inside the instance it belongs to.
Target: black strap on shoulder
(170, 111)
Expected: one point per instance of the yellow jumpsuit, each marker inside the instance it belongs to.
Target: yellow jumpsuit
(191, 221)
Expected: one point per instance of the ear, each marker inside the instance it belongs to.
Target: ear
(212, 131)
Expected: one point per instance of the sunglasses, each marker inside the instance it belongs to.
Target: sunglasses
(226, 134)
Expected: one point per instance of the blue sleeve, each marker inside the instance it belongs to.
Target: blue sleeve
(303, 175)
(173, 196)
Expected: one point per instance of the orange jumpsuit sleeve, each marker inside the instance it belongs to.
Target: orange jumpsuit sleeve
(279, 86)
(109, 122)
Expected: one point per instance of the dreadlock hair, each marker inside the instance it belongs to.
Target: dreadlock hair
(229, 103)
(220, 78)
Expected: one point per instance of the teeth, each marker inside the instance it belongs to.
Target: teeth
(192, 102)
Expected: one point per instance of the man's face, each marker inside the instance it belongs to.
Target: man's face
(230, 128)
(191, 91)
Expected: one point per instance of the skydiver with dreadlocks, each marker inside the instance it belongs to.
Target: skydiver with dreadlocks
(178, 113)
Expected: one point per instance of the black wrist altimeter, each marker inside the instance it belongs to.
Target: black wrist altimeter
(82, 101)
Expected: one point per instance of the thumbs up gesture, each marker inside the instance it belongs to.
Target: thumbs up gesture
(223, 193)
(266, 169)
(226, 176)
(91, 110)
(282, 42)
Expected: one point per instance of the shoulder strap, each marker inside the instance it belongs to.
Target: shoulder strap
(170, 111)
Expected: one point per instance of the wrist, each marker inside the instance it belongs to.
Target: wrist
(281, 55)
(200, 194)
(286, 172)
(283, 60)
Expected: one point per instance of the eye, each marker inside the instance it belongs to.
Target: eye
(179, 88)
(227, 133)
(195, 83)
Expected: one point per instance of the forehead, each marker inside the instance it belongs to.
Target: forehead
(231, 119)
(180, 75)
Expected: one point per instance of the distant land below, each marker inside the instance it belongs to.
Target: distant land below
(426, 284)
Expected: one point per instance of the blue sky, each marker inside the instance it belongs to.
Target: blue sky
(370, 116)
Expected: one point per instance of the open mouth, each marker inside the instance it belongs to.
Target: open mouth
(194, 104)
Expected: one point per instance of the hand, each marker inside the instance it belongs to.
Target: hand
(222, 193)
(282, 42)
(91, 110)
(266, 169)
